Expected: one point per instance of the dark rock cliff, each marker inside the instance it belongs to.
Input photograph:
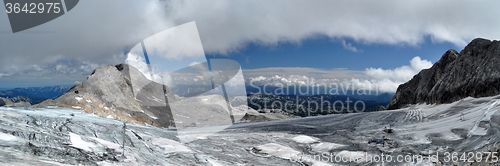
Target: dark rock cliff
(474, 72)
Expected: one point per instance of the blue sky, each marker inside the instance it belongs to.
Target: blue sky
(325, 53)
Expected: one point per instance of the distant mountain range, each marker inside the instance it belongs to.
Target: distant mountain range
(35, 95)
(320, 104)
(312, 91)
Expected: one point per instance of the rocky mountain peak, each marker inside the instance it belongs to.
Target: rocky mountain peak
(108, 92)
(472, 72)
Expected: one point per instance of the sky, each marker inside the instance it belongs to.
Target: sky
(360, 42)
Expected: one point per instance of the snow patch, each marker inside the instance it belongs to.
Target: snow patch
(11, 114)
(305, 139)
(214, 162)
(89, 101)
(325, 146)
(106, 108)
(77, 107)
(170, 146)
(7, 137)
(79, 98)
(77, 142)
(108, 144)
(358, 155)
(278, 150)
(110, 117)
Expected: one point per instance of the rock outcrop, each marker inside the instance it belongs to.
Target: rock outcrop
(15, 102)
(475, 72)
(108, 92)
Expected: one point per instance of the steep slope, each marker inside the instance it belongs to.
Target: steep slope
(108, 92)
(475, 72)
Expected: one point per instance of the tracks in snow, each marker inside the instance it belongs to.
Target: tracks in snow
(414, 115)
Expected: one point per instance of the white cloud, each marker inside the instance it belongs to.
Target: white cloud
(91, 33)
(176, 43)
(102, 35)
(349, 46)
(418, 64)
(227, 26)
(388, 80)
(3, 74)
(201, 69)
(374, 79)
(162, 77)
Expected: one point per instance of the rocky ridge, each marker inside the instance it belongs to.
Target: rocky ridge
(123, 93)
(15, 102)
(108, 92)
(473, 72)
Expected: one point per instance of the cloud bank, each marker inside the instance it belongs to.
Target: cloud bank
(374, 79)
(227, 26)
(99, 32)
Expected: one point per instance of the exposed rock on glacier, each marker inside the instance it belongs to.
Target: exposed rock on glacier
(475, 72)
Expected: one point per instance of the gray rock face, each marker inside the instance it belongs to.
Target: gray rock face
(475, 72)
(15, 102)
(108, 92)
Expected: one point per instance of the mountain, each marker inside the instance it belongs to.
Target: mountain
(107, 92)
(317, 104)
(474, 72)
(317, 90)
(49, 92)
(123, 93)
(18, 101)
(34, 95)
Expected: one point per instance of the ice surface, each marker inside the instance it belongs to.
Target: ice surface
(446, 122)
(325, 146)
(278, 150)
(170, 146)
(107, 143)
(420, 129)
(7, 137)
(214, 162)
(305, 139)
(77, 142)
(355, 155)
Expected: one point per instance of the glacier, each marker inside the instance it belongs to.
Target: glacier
(65, 136)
